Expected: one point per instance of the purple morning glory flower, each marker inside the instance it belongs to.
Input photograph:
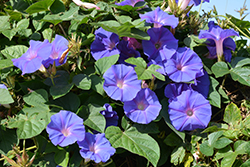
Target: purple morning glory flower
(189, 111)
(121, 82)
(160, 18)
(133, 43)
(196, 2)
(96, 147)
(202, 84)
(228, 45)
(126, 52)
(144, 108)
(65, 128)
(175, 89)
(31, 60)
(218, 35)
(59, 46)
(162, 43)
(184, 65)
(110, 115)
(129, 2)
(104, 44)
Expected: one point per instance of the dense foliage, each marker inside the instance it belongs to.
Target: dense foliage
(129, 83)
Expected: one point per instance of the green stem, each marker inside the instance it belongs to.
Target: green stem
(198, 15)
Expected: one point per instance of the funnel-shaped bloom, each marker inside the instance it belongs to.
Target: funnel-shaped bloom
(160, 18)
(85, 4)
(126, 51)
(133, 43)
(175, 89)
(228, 45)
(218, 35)
(110, 115)
(121, 82)
(129, 2)
(59, 48)
(144, 108)
(184, 65)
(31, 60)
(96, 147)
(160, 38)
(104, 44)
(65, 128)
(2, 86)
(189, 111)
(202, 84)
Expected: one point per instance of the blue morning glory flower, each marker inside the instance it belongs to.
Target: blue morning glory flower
(129, 2)
(31, 60)
(228, 45)
(184, 65)
(126, 51)
(105, 44)
(110, 115)
(144, 108)
(121, 82)
(59, 46)
(162, 43)
(189, 111)
(173, 90)
(65, 128)
(160, 18)
(218, 35)
(96, 147)
(201, 84)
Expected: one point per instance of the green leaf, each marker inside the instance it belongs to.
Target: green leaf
(4, 23)
(47, 33)
(240, 62)
(70, 102)
(95, 119)
(5, 97)
(206, 149)
(241, 74)
(5, 63)
(62, 85)
(173, 140)
(97, 84)
(213, 96)
(62, 158)
(40, 6)
(223, 152)
(23, 24)
(8, 138)
(232, 114)
(240, 146)
(177, 156)
(10, 33)
(36, 98)
(142, 71)
(220, 69)
(57, 7)
(27, 127)
(213, 137)
(246, 163)
(82, 81)
(135, 142)
(101, 65)
(192, 41)
(229, 159)
(222, 142)
(148, 128)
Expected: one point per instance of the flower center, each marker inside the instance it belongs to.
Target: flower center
(179, 67)
(141, 106)
(92, 149)
(120, 84)
(111, 46)
(157, 45)
(190, 112)
(65, 132)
